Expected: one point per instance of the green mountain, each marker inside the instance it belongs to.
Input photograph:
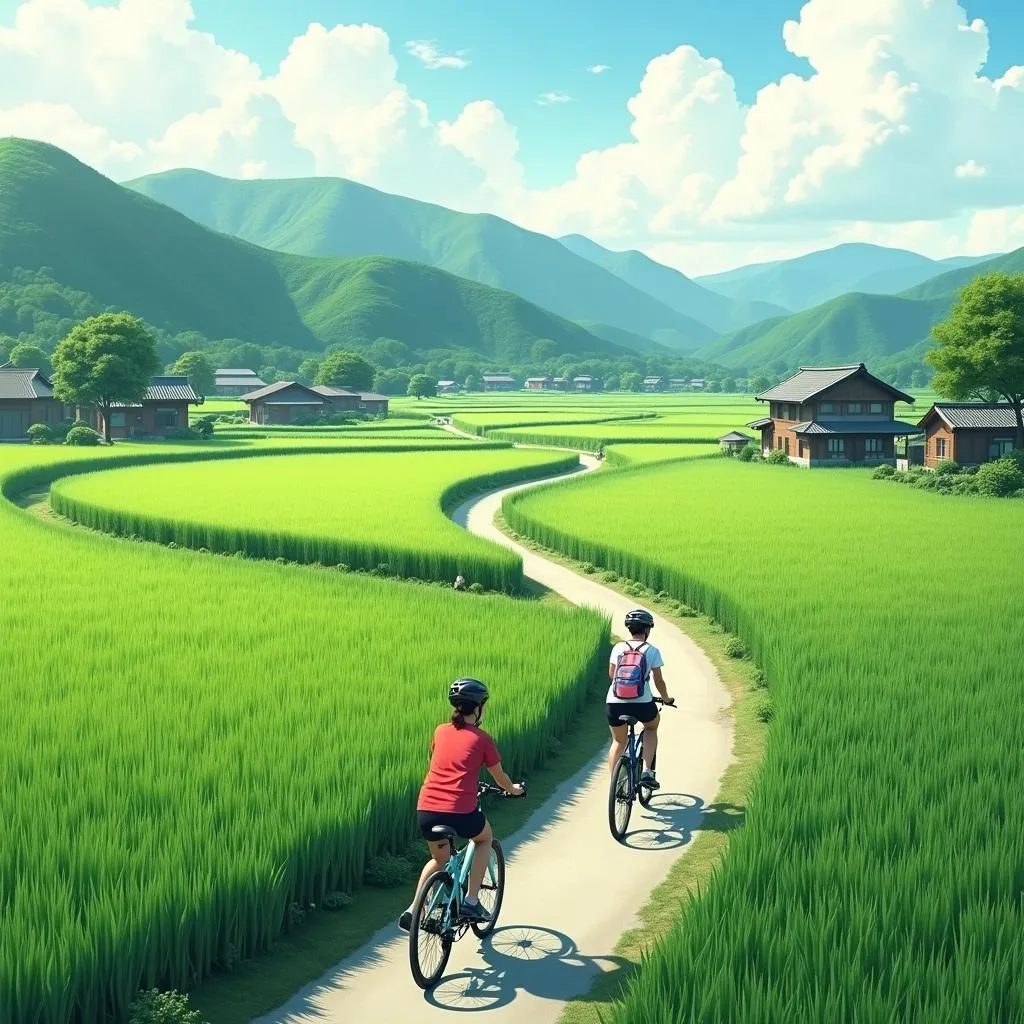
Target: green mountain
(336, 217)
(73, 243)
(672, 288)
(817, 277)
(953, 280)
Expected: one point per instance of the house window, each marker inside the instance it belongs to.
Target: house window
(876, 408)
(118, 419)
(873, 447)
(166, 418)
(785, 444)
(836, 447)
(826, 408)
(855, 408)
(999, 447)
(940, 447)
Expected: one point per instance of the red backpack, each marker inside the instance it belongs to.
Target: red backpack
(630, 673)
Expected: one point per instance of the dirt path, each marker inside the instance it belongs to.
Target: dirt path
(571, 889)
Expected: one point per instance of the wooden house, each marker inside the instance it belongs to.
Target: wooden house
(163, 408)
(284, 402)
(833, 416)
(338, 399)
(734, 441)
(26, 397)
(654, 384)
(235, 383)
(584, 382)
(499, 382)
(967, 434)
(539, 383)
(448, 387)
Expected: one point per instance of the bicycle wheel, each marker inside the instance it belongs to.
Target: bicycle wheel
(620, 798)
(644, 793)
(492, 891)
(430, 941)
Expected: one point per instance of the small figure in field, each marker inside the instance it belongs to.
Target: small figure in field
(460, 583)
(600, 454)
(633, 664)
(449, 795)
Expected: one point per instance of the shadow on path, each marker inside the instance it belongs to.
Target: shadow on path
(522, 958)
(673, 818)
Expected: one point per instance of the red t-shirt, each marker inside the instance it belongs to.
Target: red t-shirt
(456, 756)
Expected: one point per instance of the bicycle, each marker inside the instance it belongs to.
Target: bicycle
(437, 912)
(626, 785)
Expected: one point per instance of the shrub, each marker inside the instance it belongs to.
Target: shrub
(40, 433)
(475, 588)
(183, 434)
(1001, 478)
(204, 427)
(388, 871)
(760, 680)
(965, 485)
(589, 568)
(156, 1007)
(947, 467)
(610, 576)
(747, 453)
(82, 436)
(735, 647)
(765, 709)
(778, 457)
(335, 901)
(883, 472)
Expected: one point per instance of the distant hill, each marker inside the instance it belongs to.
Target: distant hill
(79, 242)
(953, 280)
(672, 288)
(340, 218)
(817, 277)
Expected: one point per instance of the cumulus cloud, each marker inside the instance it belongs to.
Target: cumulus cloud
(426, 51)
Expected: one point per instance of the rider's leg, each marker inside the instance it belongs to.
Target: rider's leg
(439, 856)
(618, 747)
(651, 741)
(481, 855)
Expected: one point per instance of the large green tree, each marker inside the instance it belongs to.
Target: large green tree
(106, 359)
(30, 357)
(346, 370)
(980, 352)
(422, 386)
(196, 366)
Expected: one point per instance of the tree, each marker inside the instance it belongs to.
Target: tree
(346, 370)
(422, 386)
(391, 382)
(919, 379)
(472, 382)
(543, 349)
(307, 371)
(197, 368)
(713, 386)
(245, 356)
(30, 357)
(106, 359)
(759, 383)
(630, 381)
(981, 345)
(728, 384)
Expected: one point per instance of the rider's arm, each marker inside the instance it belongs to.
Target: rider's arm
(499, 776)
(659, 682)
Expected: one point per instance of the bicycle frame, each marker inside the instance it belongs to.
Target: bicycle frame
(457, 868)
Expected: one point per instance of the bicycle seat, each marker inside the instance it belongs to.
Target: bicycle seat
(628, 720)
(440, 832)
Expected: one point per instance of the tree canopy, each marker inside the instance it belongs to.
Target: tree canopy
(196, 366)
(421, 386)
(346, 370)
(106, 359)
(980, 353)
(30, 357)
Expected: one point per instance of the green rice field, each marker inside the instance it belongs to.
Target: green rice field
(365, 510)
(181, 729)
(880, 870)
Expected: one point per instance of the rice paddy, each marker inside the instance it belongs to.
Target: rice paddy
(879, 873)
(193, 744)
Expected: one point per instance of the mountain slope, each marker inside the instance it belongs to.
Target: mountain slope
(340, 218)
(672, 288)
(850, 329)
(817, 277)
(952, 281)
(101, 245)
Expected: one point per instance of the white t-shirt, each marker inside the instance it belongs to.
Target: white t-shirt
(654, 660)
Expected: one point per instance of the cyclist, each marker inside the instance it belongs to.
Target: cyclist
(639, 623)
(449, 793)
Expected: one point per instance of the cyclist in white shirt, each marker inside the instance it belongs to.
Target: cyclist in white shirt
(639, 623)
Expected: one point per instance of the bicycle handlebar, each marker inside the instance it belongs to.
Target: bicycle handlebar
(658, 700)
(485, 788)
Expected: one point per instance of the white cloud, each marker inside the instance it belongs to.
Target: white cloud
(599, 69)
(426, 51)
(547, 99)
(970, 169)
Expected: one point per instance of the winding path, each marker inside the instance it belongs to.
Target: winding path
(571, 889)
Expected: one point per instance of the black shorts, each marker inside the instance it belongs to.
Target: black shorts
(467, 826)
(647, 711)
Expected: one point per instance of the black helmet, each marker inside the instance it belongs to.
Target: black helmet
(466, 694)
(639, 619)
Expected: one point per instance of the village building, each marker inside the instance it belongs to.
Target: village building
(235, 383)
(289, 402)
(560, 383)
(584, 382)
(448, 387)
(338, 399)
(678, 383)
(698, 384)
(499, 382)
(26, 397)
(734, 441)
(539, 383)
(833, 416)
(163, 408)
(654, 384)
(373, 404)
(968, 434)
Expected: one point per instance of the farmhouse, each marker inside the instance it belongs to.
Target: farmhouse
(539, 383)
(236, 382)
(284, 402)
(163, 408)
(677, 383)
(373, 404)
(338, 399)
(967, 434)
(448, 387)
(586, 383)
(698, 384)
(560, 383)
(833, 416)
(734, 441)
(654, 384)
(26, 397)
(499, 382)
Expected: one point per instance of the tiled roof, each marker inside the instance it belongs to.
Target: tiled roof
(272, 389)
(234, 373)
(371, 396)
(498, 376)
(847, 427)
(240, 382)
(974, 417)
(171, 389)
(19, 383)
(735, 435)
(813, 380)
(758, 424)
(331, 392)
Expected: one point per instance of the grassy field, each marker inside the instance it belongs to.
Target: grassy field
(629, 454)
(364, 510)
(179, 716)
(879, 874)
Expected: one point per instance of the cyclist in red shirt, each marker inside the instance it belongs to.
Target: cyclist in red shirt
(448, 796)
